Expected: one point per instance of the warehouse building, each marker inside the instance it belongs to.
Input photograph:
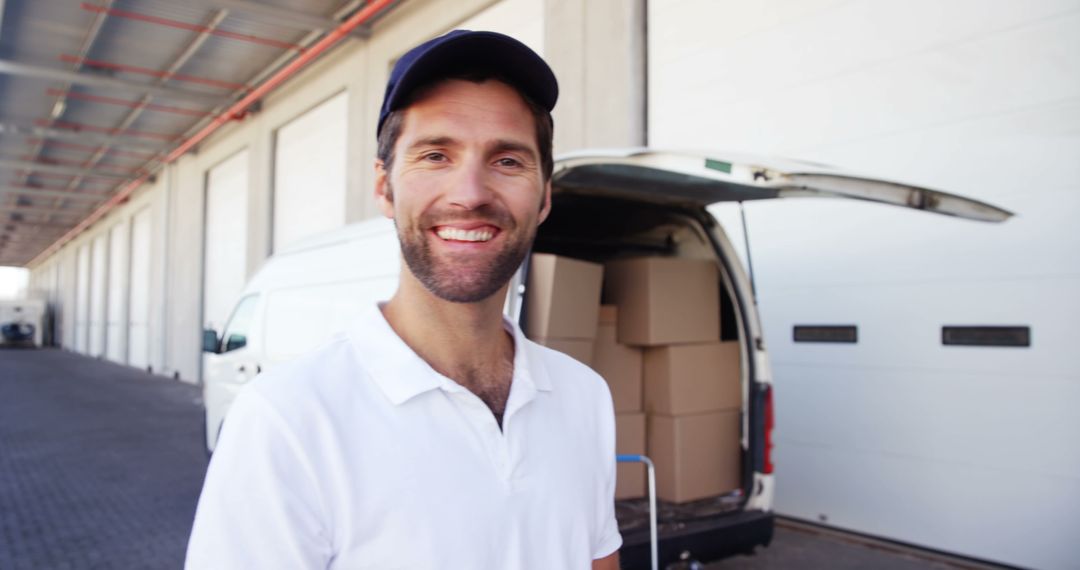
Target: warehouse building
(967, 449)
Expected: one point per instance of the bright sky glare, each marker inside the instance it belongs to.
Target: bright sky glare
(13, 281)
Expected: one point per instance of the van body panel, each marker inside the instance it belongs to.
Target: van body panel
(306, 293)
(694, 179)
(225, 373)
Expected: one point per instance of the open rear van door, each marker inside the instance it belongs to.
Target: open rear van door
(689, 179)
(639, 203)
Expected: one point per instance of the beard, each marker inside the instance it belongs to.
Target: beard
(464, 277)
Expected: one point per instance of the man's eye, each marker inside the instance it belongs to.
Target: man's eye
(508, 162)
(435, 157)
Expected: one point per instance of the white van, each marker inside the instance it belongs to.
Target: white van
(605, 206)
(22, 322)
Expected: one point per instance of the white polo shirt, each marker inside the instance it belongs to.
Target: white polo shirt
(362, 456)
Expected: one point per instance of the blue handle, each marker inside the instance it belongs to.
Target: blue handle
(630, 458)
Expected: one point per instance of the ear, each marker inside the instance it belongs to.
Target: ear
(545, 206)
(384, 198)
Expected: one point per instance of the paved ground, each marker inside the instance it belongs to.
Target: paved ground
(799, 545)
(101, 466)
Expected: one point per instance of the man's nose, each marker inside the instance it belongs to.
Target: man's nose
(472, 186)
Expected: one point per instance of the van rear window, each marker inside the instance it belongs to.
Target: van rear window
(985, 336)
(825, 333)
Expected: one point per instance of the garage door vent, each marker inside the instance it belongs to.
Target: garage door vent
(985, 336)
(825, 333)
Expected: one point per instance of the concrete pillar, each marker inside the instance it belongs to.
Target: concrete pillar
(260, 222)
(597, 49)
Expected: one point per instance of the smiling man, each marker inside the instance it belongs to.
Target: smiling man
(433, 434)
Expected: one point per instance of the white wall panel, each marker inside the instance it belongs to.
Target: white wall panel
(56, 301)
(167, 267)
(82, 299)
(226, 238)
(138, 317)
(309, 173)
(99, 266)
(116, 305)
(520, 19)
(68, 298)
(898, 435)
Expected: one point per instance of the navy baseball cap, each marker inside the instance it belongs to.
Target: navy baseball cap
(462, 51)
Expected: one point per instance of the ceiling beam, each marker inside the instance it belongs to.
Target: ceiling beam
(30, 223)
(45, 193)
(284, 17)
(212, 23)
(26, 243)
(58, 169)
(83, 137)
(60, 105)
(32, 211)
(28, 234)
(15, 68)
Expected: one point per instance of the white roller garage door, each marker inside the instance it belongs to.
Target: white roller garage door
(82, 299)
(225, 268)
(99, 263)
(115, 343)
(138, 319)
(309, 173)
(897, 434)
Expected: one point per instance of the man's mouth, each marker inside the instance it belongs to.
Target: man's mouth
(471, 235)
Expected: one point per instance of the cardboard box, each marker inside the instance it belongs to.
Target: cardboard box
(696, 456)
(619, 364)
(563, 297)
(692, 378)
(580, 349)
(664, 300)
(631, 479)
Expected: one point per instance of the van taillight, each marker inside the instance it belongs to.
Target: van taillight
(769, 422)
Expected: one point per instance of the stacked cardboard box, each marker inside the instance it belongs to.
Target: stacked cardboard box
(664, 300)
(630, 478)
(693, 396)
(692, 386)
(620, 365)
(563, 304)
(563, 312)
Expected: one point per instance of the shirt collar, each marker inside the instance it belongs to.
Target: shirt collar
(401, 374)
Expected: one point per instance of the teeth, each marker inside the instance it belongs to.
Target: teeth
(464, 235)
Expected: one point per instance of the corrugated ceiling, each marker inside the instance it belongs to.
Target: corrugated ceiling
(95, 93)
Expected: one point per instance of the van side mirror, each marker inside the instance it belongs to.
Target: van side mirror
(234, 342)
(210, 341)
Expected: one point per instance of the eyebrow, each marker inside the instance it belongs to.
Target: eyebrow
(500, 145)
(504, 145)
(432, 141)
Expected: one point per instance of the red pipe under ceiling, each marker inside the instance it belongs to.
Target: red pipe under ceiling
(235, 111)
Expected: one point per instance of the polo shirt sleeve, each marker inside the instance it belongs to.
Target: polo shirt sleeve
(260, 505)
(608, 538)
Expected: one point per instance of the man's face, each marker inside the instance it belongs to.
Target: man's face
(465, 188)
